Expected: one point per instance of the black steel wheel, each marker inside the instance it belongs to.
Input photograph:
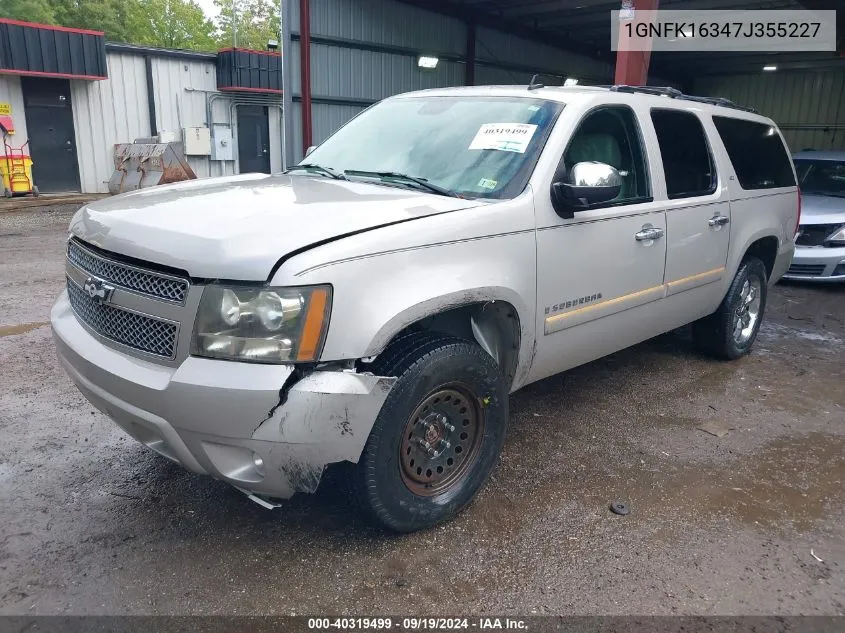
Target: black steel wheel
(441, 440)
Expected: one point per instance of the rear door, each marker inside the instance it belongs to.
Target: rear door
(698, 209)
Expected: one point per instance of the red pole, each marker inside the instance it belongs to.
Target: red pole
(632, 66)
(305, 71)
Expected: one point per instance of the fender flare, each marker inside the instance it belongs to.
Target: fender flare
(436, 305)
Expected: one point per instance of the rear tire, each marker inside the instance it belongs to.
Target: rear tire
(730, 332)
(438, 435)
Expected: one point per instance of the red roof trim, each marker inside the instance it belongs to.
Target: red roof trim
(36, 25)
(38, 73)
(239, 88)
(248, 50)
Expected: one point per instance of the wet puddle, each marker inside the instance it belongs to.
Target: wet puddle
(23, 328)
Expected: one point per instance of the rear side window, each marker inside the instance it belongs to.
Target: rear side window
(687, 162)
(757, 153)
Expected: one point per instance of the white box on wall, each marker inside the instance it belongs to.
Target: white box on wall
(197, 141)
(221, 148)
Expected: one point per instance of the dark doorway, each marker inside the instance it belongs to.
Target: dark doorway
(253, 139)
(49, 124)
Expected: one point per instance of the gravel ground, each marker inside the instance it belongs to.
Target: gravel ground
(752, 522)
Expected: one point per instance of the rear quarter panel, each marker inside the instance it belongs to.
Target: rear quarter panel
(757, 213)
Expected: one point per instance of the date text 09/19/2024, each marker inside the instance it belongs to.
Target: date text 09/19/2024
(416, 623)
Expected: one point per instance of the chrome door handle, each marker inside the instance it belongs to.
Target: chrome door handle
(718, 220)
(648, 233)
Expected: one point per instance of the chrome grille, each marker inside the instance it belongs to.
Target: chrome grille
(143, 281)
(806, 270)
(134, 330)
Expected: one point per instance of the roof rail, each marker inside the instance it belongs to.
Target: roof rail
(674, 93)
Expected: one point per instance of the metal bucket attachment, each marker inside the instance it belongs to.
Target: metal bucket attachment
(141, 165)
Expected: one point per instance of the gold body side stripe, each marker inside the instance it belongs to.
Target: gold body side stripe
(663, 288)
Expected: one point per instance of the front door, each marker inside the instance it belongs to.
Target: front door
(52, 143)
(253, 139)
(598, 272)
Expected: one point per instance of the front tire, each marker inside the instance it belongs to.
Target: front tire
(730, 332)
(438, 435)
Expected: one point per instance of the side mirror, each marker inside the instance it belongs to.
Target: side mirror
(588, 183)
(310, 149)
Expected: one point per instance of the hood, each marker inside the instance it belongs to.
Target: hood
(239, 227)
(817, 209)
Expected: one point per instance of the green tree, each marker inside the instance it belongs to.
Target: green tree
(171, 24)
(111, 16)
(29, 10)
(248, 23)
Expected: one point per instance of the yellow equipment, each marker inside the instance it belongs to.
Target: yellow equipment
(16, 170)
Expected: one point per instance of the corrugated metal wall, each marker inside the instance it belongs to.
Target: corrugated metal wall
(108, 112)
(496, 48)
(182, 89)
(10, 92)
(808, 106)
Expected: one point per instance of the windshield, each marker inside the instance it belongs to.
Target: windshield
(480, 147)
(823, 177)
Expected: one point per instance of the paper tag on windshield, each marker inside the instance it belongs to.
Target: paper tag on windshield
(505, 137)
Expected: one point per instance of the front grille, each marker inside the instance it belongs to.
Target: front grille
(806, 270)
(143, 281)
(137, 331)
(814, 234)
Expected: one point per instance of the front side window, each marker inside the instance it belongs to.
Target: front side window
(479, 147)
(687, 162)
(757, 153)
(821, 177)
(611, 136)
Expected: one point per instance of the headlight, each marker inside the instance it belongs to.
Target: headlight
(837, 238)
(262, 325)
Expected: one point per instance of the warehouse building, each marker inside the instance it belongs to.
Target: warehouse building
(73, 95)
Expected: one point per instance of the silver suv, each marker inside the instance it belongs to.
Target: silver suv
(372, 309)
(820, 244)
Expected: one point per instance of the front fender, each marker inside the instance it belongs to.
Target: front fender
(377, 296)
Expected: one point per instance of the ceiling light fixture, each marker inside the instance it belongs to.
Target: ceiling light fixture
(770, 67)
(570, 81)
(428, 62)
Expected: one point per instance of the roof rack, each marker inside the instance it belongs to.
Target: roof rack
(674, 93)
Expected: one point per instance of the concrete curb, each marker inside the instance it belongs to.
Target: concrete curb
(11, 205)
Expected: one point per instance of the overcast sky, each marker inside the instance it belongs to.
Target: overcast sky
(209, 8)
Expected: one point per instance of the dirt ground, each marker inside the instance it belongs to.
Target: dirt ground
(752, 522)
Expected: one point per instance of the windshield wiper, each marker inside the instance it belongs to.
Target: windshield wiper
(326, 171)
(392, 175)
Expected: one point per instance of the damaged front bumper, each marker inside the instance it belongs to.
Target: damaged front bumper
(254, 426)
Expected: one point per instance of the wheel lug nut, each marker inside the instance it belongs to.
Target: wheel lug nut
(444, 444)
(448, 427)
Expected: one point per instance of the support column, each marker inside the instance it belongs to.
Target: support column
(305, 71)
(287, 84)
(632, 66)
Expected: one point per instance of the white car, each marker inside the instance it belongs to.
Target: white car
(373, 308)
(820, 244)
